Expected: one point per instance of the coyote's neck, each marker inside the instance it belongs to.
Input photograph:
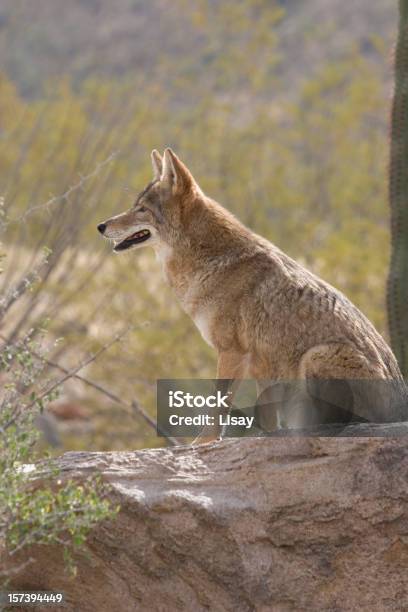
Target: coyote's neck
(211, 240)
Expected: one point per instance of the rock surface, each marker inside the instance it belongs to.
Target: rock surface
(271, 524)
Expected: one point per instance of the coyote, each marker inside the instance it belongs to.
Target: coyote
(267, 317)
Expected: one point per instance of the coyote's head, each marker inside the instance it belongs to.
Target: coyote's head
(157, 213)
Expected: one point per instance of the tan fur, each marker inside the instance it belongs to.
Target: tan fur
(266, 315)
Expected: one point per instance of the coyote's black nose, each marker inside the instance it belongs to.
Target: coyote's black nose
(102, 228)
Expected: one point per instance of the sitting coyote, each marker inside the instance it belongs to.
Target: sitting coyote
(267, 317)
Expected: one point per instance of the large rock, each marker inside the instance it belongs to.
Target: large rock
(278, 524)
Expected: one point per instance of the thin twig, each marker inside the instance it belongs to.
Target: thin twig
(23, 285)
(64, 196)
(79, 367)
(133, 407)
(69, 374)
(17, 569)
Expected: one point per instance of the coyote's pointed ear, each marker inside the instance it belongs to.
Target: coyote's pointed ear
(157, 164)
(175, 175)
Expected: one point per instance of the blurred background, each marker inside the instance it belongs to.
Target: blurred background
(279, 108)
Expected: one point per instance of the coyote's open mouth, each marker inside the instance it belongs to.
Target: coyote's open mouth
(135, 238)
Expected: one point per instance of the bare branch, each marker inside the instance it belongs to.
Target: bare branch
(60, 381)
(65, 196)
(79, 367)
(21, 287)
(131, 407)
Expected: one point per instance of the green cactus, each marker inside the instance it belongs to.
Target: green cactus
(397, 290)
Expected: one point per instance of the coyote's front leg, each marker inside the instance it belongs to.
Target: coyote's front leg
(231, 369)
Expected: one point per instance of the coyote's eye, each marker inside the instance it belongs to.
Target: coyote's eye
(142, 209)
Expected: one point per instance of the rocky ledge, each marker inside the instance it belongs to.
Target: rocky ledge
(272, 524)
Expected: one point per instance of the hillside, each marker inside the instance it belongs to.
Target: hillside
(42, 39)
